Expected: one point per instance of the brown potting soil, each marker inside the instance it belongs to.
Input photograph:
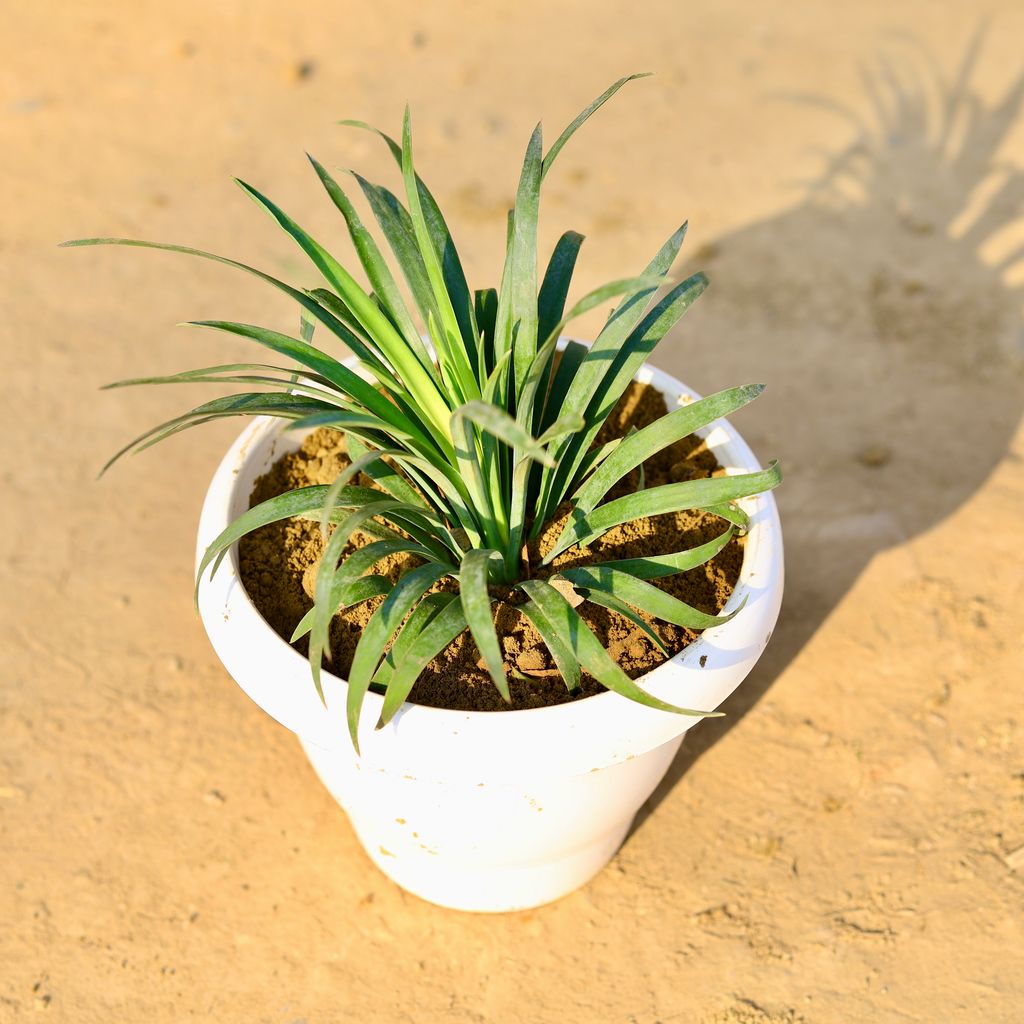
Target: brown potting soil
(278, 568)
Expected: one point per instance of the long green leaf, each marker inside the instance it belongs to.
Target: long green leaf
(303, 502)
(555, 286)
(307, 302)
(651, 567)
(611, 601)
(395, 348)
(378, 470)
(349, 383)
(323, 606)
(563, 619)
(690, 494)
(476, 604)
(452, 272)
(572, 357)
(419, 618)
(563, 657)
(596, 363)
(433, 639)
(449, 338)
(581, 117)
(634, 450)
(228, 373)
(499, 424)
(516, 328)
(644, 596)
(352, 569)
(255, 403)
(376, 268)
(355, 466)
(352, 593)
(379, 630)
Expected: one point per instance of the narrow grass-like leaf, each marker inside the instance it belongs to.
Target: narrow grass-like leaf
(485, 308)
(291, 383)
(228, 373)
(304, 502)
(472, 472)
(499, 424)
(309, 304)
(583, 115)
(323, 608)
(563, 657)
(351, 571)
(571, 357)
(395, 349)
(585, 648)
(597, 362)
(476, 604)
(434, 638)
(555, 286)
(645, 596)
(378, 632)
(396, 225)
(349, 383)
(352, 593)
(651, 567)
(452, 272)
(378, 470)
(533, 384)
(449, 335)
(614, 603)
(632, 451)
(419, 617)
(638, 346)
(344, 589)
(376, 268)
(516, 327)
(609, 374)
(247, 404)
(355, 466)
(690, 494)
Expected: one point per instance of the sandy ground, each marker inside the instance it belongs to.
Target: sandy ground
(848, 844)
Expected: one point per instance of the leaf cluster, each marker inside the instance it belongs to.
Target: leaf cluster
(474, 433)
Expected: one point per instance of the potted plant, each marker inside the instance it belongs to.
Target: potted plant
(480, 470)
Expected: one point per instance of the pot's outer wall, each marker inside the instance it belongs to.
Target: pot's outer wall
(490, 810)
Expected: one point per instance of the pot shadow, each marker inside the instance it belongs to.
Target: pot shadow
(891, 348)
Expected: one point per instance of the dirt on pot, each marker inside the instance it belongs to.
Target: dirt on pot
(278, 568)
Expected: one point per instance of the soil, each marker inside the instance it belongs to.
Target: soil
(278, 565)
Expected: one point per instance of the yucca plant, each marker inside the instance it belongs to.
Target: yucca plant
(474, 434)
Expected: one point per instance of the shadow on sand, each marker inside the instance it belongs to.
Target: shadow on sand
(891, 348)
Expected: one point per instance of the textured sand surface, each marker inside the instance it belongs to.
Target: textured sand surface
(848, 844)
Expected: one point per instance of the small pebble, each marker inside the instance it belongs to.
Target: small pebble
(874, 456)
(530, 661)
(302, 70)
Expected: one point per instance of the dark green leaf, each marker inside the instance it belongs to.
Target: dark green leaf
(378, 632)
(690, 494)
(585, 648)
(476, 604)
(581, 117)
(433, 639)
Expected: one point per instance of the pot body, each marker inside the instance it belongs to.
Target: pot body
(489, 811)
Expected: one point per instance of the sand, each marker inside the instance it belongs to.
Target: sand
(848, 843)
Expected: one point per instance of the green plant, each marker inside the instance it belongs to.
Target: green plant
(474, 440)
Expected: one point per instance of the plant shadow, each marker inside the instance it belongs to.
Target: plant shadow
(890, 341)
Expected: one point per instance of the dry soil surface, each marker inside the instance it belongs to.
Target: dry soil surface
(848, 844)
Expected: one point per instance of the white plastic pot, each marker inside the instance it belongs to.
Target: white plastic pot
(489, 811)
